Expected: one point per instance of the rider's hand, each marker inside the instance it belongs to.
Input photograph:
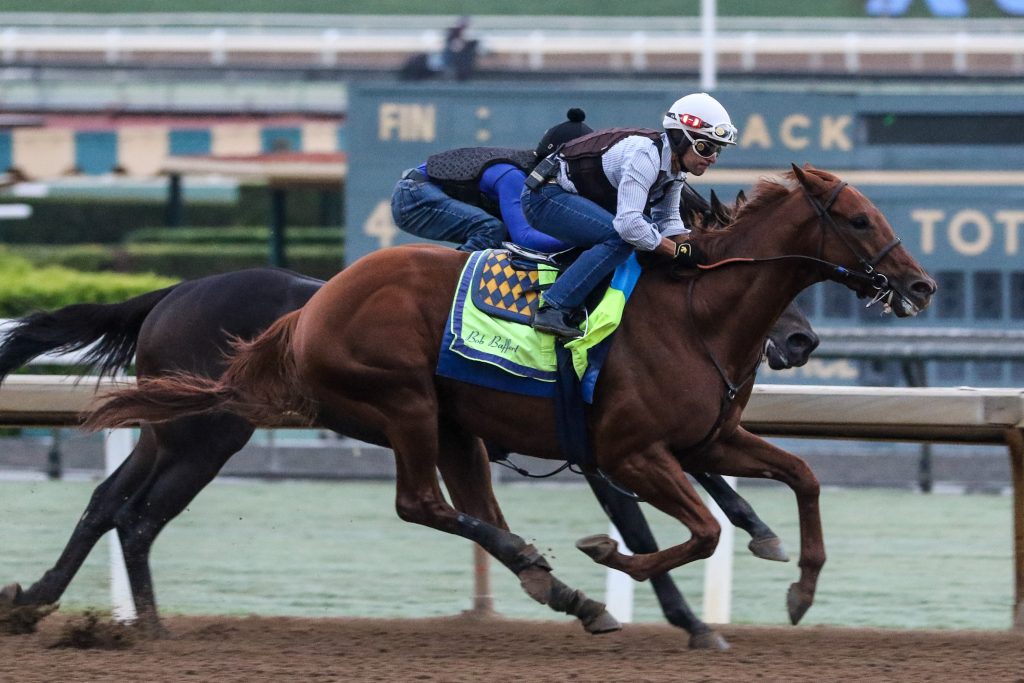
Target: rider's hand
(688, 254)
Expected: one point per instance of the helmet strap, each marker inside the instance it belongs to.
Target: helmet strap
(678, 141)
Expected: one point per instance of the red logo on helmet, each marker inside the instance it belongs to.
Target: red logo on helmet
(691, 121)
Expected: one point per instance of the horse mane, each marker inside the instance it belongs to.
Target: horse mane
(767, 192)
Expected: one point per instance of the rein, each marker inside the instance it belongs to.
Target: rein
(868, 277)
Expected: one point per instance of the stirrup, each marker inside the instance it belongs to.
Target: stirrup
(533, 254)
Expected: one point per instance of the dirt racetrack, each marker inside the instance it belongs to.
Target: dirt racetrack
(463, 649)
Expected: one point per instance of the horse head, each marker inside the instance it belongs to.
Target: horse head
(791, 341)
(859, 247)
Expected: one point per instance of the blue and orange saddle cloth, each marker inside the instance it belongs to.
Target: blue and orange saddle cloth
(488, 339)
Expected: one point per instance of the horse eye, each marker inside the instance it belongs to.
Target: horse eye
(860, 223)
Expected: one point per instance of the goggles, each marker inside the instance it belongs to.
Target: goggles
(704, 148)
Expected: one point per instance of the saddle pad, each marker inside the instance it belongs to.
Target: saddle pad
(506, 290)
(488, 340)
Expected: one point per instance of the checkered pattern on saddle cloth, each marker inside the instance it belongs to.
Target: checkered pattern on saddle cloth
(506, 290)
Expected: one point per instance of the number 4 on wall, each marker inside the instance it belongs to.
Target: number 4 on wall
(380, 225)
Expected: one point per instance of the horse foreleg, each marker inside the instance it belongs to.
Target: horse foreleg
(419, 500)
(628, 518)
(745, 455)
(764, 543)
(658, 478)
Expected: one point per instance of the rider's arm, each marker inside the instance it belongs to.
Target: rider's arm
(640, 165)
(666, 212)
(505, 183)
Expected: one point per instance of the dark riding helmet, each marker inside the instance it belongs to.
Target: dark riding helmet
(563, 132)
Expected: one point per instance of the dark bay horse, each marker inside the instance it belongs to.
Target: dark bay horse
(188, 327)
(359, 358)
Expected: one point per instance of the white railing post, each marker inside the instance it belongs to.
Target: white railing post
(618, 586)
(118, 445)
(718, 569)
(708, 54)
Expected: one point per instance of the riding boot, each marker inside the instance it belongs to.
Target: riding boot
(555, 321)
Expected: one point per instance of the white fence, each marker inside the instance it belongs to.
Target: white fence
(961, 415)
(528, 43)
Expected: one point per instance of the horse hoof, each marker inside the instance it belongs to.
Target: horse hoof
(600, 547)
(602, 623)
(770, 548)
(9, 594)
(20, 619)
(798, 601)
(709, 640)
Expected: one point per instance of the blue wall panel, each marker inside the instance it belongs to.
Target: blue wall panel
(189, 141)
(5, 151)
(96, 152)
(281, 139)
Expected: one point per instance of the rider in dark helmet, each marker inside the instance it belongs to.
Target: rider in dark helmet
(617, 190)
(471, 195)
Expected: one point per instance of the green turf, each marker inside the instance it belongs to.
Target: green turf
(896, 559)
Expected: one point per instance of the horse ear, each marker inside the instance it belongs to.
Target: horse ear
(810, 180)
(741, 198)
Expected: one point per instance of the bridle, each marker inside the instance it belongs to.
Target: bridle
(866, 278)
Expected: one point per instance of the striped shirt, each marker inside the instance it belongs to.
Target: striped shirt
(631, 166)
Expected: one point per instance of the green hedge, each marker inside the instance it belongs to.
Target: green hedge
(24, 289)
(185, 261)
(74, 220)
(233, 235)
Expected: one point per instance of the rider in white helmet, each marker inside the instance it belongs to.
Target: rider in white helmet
(617, 190)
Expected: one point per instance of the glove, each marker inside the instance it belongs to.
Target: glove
(689, 255)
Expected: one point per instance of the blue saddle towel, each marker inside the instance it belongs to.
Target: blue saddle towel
(488, 340)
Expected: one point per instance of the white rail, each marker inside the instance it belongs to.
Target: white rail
(740, 44)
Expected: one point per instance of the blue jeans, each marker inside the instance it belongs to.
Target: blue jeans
(421, 208)
(582, 223)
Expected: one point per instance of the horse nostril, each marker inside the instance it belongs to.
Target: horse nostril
(803, 343)
(923, 288)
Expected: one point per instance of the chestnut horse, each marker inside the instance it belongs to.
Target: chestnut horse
(188, 327)
(359, 358)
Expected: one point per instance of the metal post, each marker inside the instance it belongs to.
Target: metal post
(54, 461)
(1015, 441)
(915, 376)
(174, 211)
(277, 241)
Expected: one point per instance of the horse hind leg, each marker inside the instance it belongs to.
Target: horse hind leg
(25, 607)
(190, 453)
(419, 500)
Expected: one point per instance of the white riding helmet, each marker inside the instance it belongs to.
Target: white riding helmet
(703, 115)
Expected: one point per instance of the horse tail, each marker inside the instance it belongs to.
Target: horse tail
(260, 385)
(109, 332)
